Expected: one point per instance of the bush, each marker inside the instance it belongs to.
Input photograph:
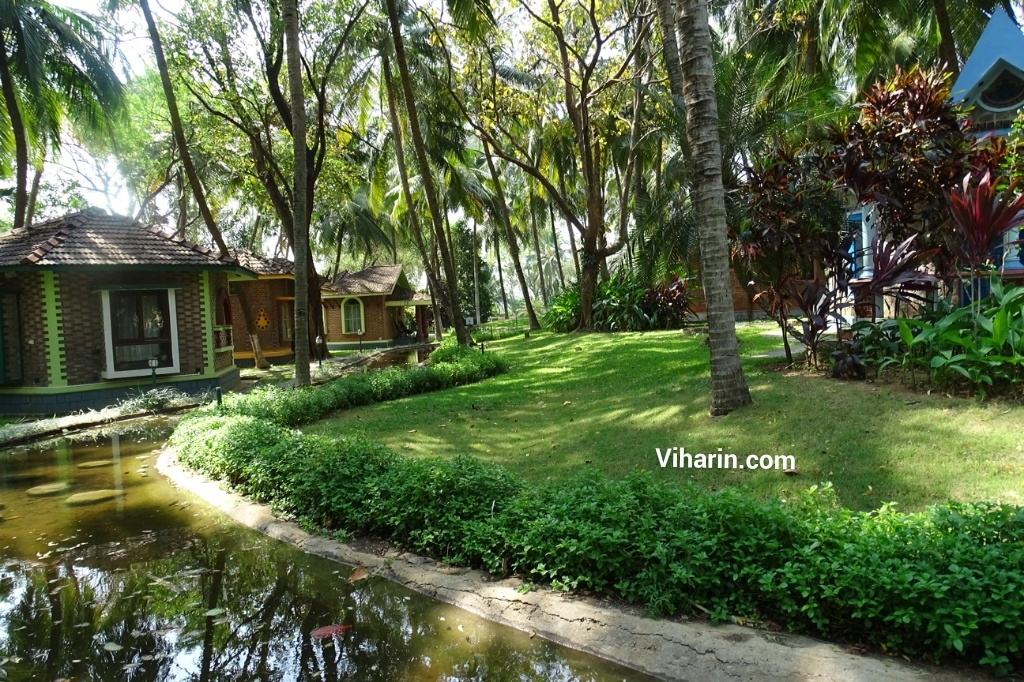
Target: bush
(942, 583)
(624, 303)
(456, 365)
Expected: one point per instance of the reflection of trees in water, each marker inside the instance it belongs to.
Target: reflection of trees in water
(272, 598)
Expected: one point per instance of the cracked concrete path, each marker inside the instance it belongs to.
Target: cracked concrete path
(666, 649)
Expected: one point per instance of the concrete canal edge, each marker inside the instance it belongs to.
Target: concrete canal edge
(666, 649)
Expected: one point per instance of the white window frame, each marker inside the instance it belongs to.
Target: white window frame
(362, 316)
(108, 341)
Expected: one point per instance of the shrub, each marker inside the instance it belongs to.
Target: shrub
(457, 365)
(945, 582)
(625, 303)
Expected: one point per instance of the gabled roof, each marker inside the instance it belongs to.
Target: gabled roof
(92, 238)
(263, 265)
(375, 280)
(1001, 45)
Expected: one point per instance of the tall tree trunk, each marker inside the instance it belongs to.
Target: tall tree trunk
(300, 214)
(510, 237)
(433, 280)
(20, 137)
(426, 176)
(536, 251)
(178, 131)
(250, 330)
(476, 277)
(33, 194)
(554, 240)
(501, 276)
(694, 83)
(947, 46)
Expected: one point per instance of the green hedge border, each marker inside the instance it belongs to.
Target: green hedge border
(943, 583)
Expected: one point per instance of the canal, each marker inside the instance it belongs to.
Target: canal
(107, 572)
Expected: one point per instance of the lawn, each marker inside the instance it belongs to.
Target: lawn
(609, 400)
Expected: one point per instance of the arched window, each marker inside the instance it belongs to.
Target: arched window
(352, 316)
(223, 309)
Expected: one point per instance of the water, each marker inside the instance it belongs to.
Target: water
(154, 585)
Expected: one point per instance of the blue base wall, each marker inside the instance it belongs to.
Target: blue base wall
(63, 403)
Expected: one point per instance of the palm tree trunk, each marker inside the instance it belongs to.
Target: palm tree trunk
(947, 46)
(20, 138)
(179, 131)
(476, 278)
(433, 280)
(448, 263)
(300, 215)
(572, 237)
(536, 251)
(694, 83)
(501, 276)
(554, 240)
(510, 237)
(33, 194)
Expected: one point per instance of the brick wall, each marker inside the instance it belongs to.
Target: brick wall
(378, 320)
(262, 294)
(740, 300)
(82, 326)
(33, 332)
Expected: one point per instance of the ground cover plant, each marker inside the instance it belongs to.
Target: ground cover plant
(942, 583)
(608, 400)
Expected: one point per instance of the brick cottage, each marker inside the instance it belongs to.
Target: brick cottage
(94, 307)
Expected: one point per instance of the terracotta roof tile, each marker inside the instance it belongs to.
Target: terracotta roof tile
(379, 279)
(92, 237)
(263, 265)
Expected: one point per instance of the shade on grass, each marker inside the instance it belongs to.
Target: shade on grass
(628, 394)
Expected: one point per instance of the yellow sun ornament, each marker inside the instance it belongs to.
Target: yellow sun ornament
(262, 320)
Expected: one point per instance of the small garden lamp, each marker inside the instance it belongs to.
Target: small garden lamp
(319, 350)
(153, 362)
(360, 332)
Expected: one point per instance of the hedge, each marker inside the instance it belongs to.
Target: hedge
(942, 583)
(450, 365)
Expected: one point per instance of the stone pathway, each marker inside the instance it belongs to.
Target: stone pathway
(794, 345)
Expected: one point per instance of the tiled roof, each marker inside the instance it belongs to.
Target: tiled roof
(92, 237)
(379, 279)
(262, 265)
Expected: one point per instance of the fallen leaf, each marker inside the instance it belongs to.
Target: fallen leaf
(329, 631)
(358, 574)
(412, 430)
(213, 613)
(791, 472)
(110, 646)
(567, 402)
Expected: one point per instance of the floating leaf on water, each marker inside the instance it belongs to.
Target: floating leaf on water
(329, 631)
(359, 574)
(221, 621)
(131, 666)
(213, 613)
(110, 646)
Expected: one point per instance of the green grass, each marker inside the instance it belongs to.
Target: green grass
(630, 393)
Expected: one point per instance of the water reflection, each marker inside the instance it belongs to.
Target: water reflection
(146, 586)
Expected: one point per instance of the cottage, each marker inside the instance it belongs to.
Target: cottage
(95, 306)
(367, 309)
(269, 304)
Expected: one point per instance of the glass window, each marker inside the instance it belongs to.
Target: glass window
(352, 315)
(140, 329)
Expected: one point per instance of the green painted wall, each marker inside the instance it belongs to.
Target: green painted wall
(53, 318)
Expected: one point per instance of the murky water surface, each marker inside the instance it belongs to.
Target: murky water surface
(134, 580)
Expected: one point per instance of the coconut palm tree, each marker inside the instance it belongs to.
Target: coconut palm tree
(692, 81)
(54, 63)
